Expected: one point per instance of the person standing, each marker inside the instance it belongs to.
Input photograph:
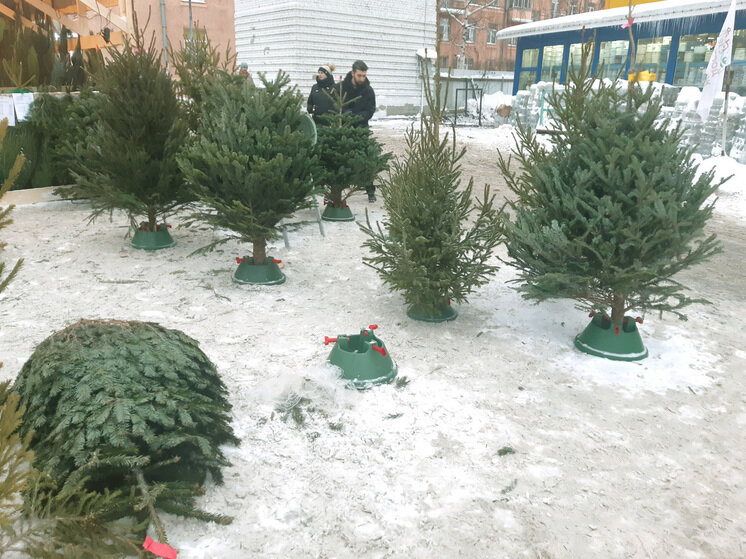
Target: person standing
(356, 90)
(320, 100)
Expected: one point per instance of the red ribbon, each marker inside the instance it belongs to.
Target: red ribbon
(239, 260)
(159, 549)
(629, 23)
(380, 350)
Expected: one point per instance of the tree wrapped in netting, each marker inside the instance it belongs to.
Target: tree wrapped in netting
(251, 164)
(350, 157)
(128, 160)
(436, 242)
(130, 407)
(612, 210)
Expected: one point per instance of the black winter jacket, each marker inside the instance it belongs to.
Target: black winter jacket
(363, 99)
(319, 102)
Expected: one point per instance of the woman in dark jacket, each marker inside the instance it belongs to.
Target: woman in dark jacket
(319, 101)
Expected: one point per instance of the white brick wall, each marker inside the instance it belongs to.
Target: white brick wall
(298, 36)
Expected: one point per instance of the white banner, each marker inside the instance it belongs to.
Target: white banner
(720, 60)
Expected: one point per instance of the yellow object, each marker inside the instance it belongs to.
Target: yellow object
(643, 76)
(625, 3)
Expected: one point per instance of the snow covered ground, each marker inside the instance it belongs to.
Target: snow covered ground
(499, 440)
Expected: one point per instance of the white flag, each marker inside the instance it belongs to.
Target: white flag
(718, 63)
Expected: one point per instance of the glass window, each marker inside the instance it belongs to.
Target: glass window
(492, 34)
(613, 57)
(469, 33)
(513, 42)
(521, 4)
(551, 65)
(692, 58)
(652, 55)
(738, 63)
(576, 55)
(526, 79)
(445, 29)
(530, 58)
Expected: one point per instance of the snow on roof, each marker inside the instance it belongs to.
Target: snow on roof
(656, 11)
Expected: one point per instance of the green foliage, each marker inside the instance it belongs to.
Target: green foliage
(41, 524)
(350, 157)
(5, 219)
(426, 247)
(250, 163)
(613, 210)
(109, 400)
(128, 161)
(197, 62)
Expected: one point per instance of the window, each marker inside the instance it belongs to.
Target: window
(520, 4)
(530, 58)
(613, 56)
(469, 33)
(445, 29)
(199, 33)
(492, 34)
(444, 62)
(513, 42)
(551, 67)
(470, 63)
(652, 55)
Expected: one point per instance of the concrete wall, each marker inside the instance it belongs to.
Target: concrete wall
(298, 36)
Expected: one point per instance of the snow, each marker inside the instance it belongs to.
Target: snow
(499, 440)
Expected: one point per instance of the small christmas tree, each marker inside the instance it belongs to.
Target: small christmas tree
(5, 220)
(129, 158)
(350, 157)
(196, 63)
(612, 211)
(436, 242)
(250, 164)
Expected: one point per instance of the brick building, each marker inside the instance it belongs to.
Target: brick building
(468, 28)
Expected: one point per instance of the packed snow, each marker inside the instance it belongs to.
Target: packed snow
(499, 438)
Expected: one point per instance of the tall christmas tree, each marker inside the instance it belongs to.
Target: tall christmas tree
(250, 163)
(128, 161)
(5, 220)
(350, 157)
(436, 242)
(612, 211)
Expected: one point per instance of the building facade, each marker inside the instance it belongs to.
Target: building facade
(297, 37)
(468, 28)
(212, 17)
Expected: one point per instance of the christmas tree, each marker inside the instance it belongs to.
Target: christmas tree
(196, 62)
(613, 209)
(350, 157)
(436, 242)
(250, 163)
(128, 161)
(5, 220)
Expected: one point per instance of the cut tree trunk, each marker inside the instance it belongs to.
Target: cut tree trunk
(152, 224)
(617, 309)
(260, 252)
(335, 198)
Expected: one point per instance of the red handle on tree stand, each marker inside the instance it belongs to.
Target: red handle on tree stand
(380, 350)
(328, 340)
(373, 326)
(239, 260)
(276, 261)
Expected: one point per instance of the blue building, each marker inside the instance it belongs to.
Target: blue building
(673, 39)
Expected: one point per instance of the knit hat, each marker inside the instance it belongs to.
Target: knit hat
(327, 69)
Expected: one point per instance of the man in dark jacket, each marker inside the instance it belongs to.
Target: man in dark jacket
(320, 100)
(356, 89)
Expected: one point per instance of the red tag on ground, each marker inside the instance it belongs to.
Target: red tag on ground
(159, 549)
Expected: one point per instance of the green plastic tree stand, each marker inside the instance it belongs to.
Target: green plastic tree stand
(258, 274)
(337, 214)
(363, 358)
(152, 240)
(602, 339)
(442, 314)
